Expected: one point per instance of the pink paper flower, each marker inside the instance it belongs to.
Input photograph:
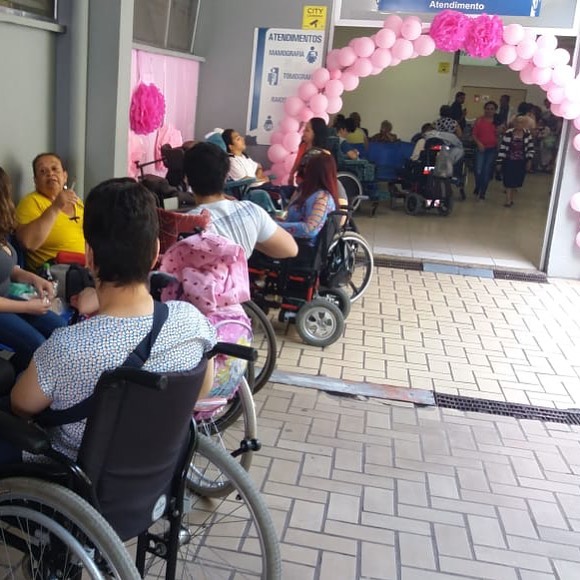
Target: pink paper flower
(147, 109)
(485, 36)
(449, 29)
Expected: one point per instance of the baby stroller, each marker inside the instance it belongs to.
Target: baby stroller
(429, 180)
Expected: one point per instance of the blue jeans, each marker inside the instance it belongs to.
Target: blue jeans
(261, 198)
(24, 333)
(484, 162)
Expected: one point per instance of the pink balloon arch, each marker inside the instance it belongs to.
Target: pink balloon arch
(538, 60)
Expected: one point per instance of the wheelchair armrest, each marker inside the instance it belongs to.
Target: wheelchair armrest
(23, 434)
(138, 376)
(241, 183)
(244, 352)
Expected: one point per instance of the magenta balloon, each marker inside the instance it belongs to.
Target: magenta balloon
(385, 38)
(362, 67)
(318, 104)
(575, 202)
(562, 74)
(513, 33)
(411, 29)
(381, 58)
(320, 77)
(333, 89)
(292, 141)
(393, 22)
(288, 125)
(576, 142)
(276, 137)
(402, 49)
(527, 75)
(293, 105)
(506, 54)
(350, 81)
(556, 95)
(424, 45)
(289, 163)
(334, 105)
(577, 123)
(544, 57)
(277, 153)
(306, 90)
(364, 47)
(519, 64)
(541, 75)
(547, 41)
(560, 57)
(347, 56)
(526, 48)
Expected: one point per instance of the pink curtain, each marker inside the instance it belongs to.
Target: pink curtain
(177, 79)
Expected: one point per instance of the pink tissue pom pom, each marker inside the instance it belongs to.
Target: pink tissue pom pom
(449, 30)
(147, 109)
(485, 36)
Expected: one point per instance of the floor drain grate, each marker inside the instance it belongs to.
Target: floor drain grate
(515, 410)
(520, 276)
(387, 262)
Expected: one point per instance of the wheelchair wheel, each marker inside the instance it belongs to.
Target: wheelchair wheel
(264, 342)
(337, 296)
(413, 204)
(320, 322)
(48, 531)
(236, 434)
(228, 537)
(352, 186)
(362, 273)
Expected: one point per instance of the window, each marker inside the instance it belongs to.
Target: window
(42, 8)
(166, 24)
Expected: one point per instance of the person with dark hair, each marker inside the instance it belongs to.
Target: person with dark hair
(121, 230)
(385, 135)
(485, 134)
(458, 111)
(314, 140)
(346, 150)
(425, 128)
(241, 164)
(24, 324)
(447, 123)
(50, 219)
(315, 198)
(358, 136)
(243, 222)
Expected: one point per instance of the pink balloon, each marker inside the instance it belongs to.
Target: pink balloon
(570, 110)
(544, 57)
(541, 75)
(318, 104)
(556, 108)
(333, 89)
(572, 90)
(424, 45)
(332, 60)
(513, 34)
(276, 137)
(320, 77)
(381, 58)
(402, 49)
(278, 170)
(577, 123)
(506, 54)
(306, 114)
(526, 49)
(377, 70)
(576, 142)
(578, 239)
(411, 28)
(547, 41)
(291, 141)
(395, 61)
(347, 56)
(362, 67)
(527, 75)
(556, 95)
(364, 47)
(293, 105)
(530, 35)
(575, 202)
(288, 125)
(394, 22)
(306, 90)
(288, 163)
(385, 38)
(562, 74)
(349, 81)
(519, 64)
(335, 75)
(325, 117)
(560, 57)
(334, 105)
(277, 153)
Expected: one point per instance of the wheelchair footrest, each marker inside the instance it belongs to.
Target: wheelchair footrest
(247, 445)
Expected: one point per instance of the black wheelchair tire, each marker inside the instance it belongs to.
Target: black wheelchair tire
(337, 296)
(306, 322)
(413, 204)
(351, 184)
(74, 515)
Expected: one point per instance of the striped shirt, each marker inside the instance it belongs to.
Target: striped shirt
(506, 143)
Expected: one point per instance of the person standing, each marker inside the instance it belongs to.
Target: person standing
(515, 155)
(458, 111)
(485, 137)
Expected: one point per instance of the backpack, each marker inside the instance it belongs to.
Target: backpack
(443, 163)
(339, 266)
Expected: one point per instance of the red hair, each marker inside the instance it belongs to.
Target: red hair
(319, 173)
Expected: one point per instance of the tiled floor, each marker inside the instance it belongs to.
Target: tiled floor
(482, 233)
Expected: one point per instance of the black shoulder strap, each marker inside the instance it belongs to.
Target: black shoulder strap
(136, 359)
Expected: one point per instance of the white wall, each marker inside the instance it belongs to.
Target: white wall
(408, 95)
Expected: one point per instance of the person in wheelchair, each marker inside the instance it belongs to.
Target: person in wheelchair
(244, 222)
(121, 230)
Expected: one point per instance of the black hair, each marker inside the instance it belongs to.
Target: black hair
(206, 167)
(48, 154)
(459, 94)
(350, 125)
(524, 108)
(340, 124)
(493, 103)
(339, 118)
(320, 132)
(445, 111)
(122, 229)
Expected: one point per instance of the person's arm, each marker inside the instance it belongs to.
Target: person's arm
(279, 245)
(474, 135)
(27, 398)
(32, 306)
(42, 285)
(458, 130)
(314, 220)
(419, 146)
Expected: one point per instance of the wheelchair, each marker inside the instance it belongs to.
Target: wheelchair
(152, 488)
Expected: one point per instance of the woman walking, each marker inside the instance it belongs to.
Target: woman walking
(485, 137)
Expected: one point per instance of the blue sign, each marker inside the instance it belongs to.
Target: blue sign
(498, 7)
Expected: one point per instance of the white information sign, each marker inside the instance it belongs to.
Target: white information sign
(283, 58)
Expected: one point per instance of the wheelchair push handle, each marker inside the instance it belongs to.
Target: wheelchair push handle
(140, 377)
(236, 350)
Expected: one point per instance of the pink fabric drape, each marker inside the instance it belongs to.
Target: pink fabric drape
(177, 79)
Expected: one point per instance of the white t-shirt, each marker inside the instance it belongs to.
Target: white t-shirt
(242, 166)
(243, 222)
